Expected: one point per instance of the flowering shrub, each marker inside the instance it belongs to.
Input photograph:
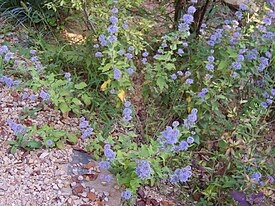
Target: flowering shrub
(209, 100)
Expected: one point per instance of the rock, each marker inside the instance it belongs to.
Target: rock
(91, 196)
(3, 186)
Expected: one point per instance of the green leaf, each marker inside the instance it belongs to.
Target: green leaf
(161, 83)
(86, 99)
(76, 101)
(33, 144)
(72, 138)
(81, 85)
(60, 144)
(64, 107)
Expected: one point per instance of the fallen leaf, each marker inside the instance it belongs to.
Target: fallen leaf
(89, 165)
(92, 177)
(91, 196)
(100, 203)
(78, 189)
(197, 196)
(104, 85)
(121, 95)
(141, 193)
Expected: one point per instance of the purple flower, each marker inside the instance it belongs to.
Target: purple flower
(113, 19)
(144, 60)
(112, 38)
(194, 1)
(269, 101)
(117, 73)
(32, 52)
(175, 124)
(126, 195)
(104, 165)
(211, 58)
(129, 56)
(121, 52)
(98, 54)
(145, 54)
(210, 42)
(174, 76)
(189, 81)
(183, 145)
(164, 44)
(127, 111)
(183, 27)
(209, 67)
(34, 59)
(190, 140)
(191, 10)
(143, 170)
(25, 95)
(188, 18)
(187, 73)
(17, 128)
(109, 153)
(169, 136)
(125, 24)
(96, 46)
(180, 51)
(108, 178)
(273, 92)
(33, 97)
(256, 176)
(185, 44)
(131, 48)
(181, 175)
(127, 104)
(180, 73)
(240, 57)
(267, 21)
(114, 10)
(268, 54)
(87, 132)
(243, 7)
(3, 49)
(112, 29)
(84, 124)
(44, 95)
(203, 93)
(49, 142)
(130, 70)
(8, 56)
(236, 65)
(264, 104)
(127, 118)
(67, 75)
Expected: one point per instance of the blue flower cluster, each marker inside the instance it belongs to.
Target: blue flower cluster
(85, 127)
(110, 156)
(127, 112)
(181, 175)
(191, 118)
(269, 98)
(17, 128)
(215, 38)
(143, 169)
(9, 82)
(126, 194)
(202, 93)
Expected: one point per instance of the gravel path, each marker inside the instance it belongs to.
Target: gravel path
(47, 176)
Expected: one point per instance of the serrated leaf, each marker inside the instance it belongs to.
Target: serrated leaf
(64, 107)
(34, 144)
(76, 101)
(60, 144)
(72, 138)
(80, 85)
(161, 83)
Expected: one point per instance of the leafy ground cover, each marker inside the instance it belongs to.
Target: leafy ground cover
(188, 111)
